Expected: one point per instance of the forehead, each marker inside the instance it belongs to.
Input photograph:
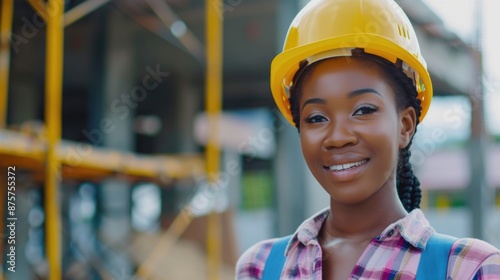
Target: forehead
(344, 74)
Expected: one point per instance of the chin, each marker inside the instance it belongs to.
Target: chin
(348, 198)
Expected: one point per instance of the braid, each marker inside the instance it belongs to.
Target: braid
(408, 185)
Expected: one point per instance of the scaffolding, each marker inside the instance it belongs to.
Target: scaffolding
(51, 159)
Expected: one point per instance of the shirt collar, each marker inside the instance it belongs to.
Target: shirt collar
(414, 228)
(308, 231)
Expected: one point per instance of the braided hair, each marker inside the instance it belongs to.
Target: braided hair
(408, 185)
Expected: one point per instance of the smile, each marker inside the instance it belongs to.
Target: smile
(345, 166)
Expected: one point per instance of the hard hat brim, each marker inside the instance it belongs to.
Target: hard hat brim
(285, 65)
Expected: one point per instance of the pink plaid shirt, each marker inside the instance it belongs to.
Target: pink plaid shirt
(394, 254)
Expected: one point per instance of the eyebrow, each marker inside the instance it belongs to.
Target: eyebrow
(313, 101)
(351, 94)
(363, 91)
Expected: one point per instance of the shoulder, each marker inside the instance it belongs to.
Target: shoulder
(251, 263)
(475, 258)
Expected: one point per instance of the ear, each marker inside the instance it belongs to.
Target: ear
(407, 124)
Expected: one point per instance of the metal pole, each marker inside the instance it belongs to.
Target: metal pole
(53, 93)
(169, 18)
(82, 10)
(168, 238)
(5, 29)
(40, 7)
(213, 95)
(480, 195)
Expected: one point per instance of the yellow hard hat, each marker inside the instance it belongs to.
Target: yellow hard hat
(329, 28)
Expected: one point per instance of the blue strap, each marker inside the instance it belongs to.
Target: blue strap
(433, 263)
(276, 259)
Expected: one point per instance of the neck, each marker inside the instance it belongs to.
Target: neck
(364, 220)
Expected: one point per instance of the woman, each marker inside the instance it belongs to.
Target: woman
(352, 79)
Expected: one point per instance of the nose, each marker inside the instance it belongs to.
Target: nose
(340, 134)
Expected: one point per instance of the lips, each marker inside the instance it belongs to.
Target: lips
(346, 170)
(345, 166)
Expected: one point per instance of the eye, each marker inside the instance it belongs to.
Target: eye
(365, 110)
(315, 119)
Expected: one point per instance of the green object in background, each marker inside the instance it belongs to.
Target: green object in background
(445, 199)
(257, 192)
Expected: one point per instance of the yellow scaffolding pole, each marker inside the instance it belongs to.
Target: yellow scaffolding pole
(2, 217)
(213, 98)
(53, 93)
(5, 29)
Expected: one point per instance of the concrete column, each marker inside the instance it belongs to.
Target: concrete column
(116, 225)
(480, 194)
(290, 182)
(232, 166)
(119, 103)
(188, 105)
(116, 127)
(289, 163)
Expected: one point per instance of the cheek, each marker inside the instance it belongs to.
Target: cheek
(309, 143)
(311, 151)
(386, 140)
(383, 133)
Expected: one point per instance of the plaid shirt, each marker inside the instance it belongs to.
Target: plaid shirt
(394, 254)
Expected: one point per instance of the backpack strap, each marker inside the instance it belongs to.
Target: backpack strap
(434, 259)
(276, 259)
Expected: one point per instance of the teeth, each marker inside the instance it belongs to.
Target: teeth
(341, 167)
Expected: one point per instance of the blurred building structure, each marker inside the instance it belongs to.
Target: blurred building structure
(133, 132)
